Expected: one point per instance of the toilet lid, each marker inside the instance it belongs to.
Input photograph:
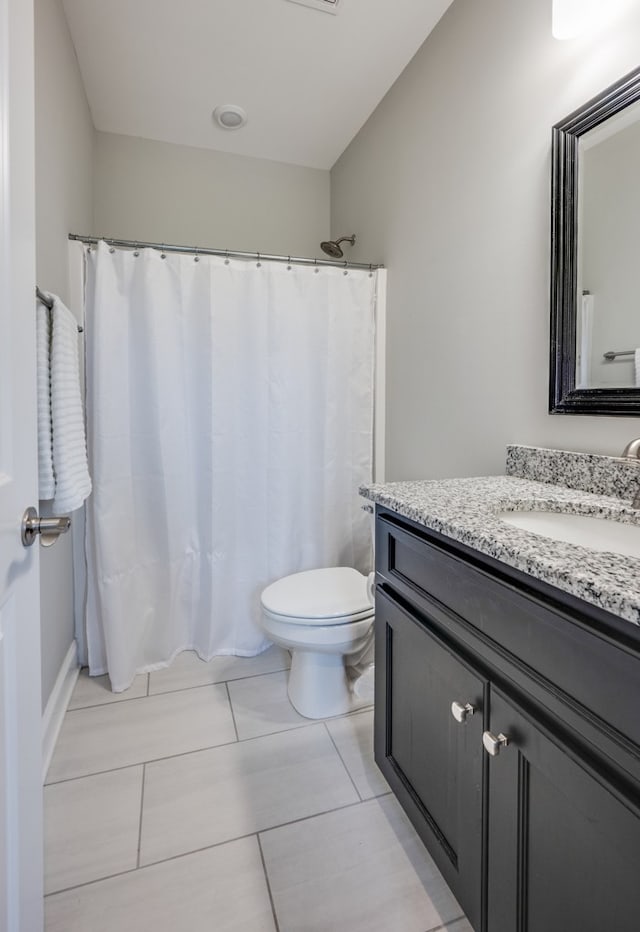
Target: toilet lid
(319, 594)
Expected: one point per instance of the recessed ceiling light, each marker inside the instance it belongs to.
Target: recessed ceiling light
(229, 116)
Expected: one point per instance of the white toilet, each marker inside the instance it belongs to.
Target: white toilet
(325, 618)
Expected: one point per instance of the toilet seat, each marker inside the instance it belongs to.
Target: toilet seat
(329, 596)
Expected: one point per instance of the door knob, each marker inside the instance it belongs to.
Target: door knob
(493, 745)
(462, 712)
(49, 529)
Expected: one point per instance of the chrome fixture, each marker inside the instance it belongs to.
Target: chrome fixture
(632, 452)
(49, 529)
(48, 303)
(199, 251)
(462, 712)
(332, 247)
(613, 355)
(42, 297)
(493, 745)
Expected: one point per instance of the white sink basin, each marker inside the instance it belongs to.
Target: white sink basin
(585, 530)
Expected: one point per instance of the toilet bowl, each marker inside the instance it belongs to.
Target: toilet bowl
(325, 618)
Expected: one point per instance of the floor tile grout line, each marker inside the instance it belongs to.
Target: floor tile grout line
(233, 714)
(209, 747)
(123, 702)
(218, 844)
(306, 723)
(353, 782)
(153, 760)
(268, 882)
(263, 831)
(167, 692)
(232, 679)
(144, 773)
(313, 815)
(144, 867)
(446, 925)
(182, 689)
(100, 773)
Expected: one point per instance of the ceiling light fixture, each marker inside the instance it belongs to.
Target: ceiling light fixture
(229, 116)
(570, 18)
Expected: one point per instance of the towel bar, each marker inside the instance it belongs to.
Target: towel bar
(47, 303)
(612, 355)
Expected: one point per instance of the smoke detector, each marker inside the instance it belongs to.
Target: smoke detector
(327, 6)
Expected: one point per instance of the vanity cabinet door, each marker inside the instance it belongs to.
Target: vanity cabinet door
(432, 760)
(564, 842)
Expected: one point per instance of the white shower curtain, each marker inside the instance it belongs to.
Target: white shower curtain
(230, 421)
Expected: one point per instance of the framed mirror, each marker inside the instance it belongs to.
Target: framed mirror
(595, 256)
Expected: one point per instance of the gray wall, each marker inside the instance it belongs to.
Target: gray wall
(448, 184)
(164, 193)
(64, 202)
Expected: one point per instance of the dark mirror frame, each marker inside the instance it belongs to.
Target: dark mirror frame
(564, 397)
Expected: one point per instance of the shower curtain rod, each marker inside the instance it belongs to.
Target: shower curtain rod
(226, 253)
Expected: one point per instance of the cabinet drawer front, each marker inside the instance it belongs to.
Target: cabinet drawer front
(564, 845)
(432, 761)
(531, 637)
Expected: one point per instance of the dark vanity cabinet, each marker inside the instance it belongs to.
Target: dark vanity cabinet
(508, 726)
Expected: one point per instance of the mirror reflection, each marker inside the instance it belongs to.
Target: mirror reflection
(608, 254)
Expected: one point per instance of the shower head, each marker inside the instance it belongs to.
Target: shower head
(332, 247)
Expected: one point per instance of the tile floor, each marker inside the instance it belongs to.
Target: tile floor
(199, 800)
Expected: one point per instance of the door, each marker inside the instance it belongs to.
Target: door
(20, 710)
(564, 841)
(428, 738)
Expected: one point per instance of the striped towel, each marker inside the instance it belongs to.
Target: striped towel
(68, 440)
(46, 478)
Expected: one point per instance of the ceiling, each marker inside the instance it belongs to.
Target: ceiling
(307, 79)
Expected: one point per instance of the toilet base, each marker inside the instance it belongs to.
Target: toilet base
(318, 685)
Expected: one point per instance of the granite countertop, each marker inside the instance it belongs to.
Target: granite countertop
(466, 510)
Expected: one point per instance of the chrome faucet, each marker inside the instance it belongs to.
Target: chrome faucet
(632, 452)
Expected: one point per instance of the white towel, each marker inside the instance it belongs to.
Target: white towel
(46, 478)
(69, 445)
(636, 361)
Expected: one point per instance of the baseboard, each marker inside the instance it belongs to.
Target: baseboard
(56, 707)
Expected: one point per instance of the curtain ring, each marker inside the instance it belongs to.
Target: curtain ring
(163, 255)
(136, 251)
(289, 265)
(196, 258)
(316, 270)
(370, 270)
(226, 257)
(258, 263)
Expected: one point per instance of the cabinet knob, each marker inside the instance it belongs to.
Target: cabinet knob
(462, 712)
(493, 745)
